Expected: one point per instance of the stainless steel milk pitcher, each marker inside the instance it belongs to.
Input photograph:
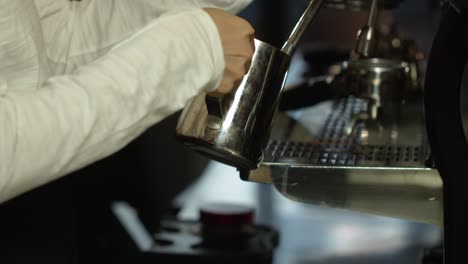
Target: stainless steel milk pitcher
(234, 128)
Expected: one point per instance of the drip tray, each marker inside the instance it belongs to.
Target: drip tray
(399, 141)
(381, 169)
(286, 153)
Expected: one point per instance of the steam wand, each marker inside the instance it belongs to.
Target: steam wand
(367, 36)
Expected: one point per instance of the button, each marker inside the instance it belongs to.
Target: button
(226, 215)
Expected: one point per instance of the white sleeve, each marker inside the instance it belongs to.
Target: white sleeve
(231, 6)
(76, 32)
(79, 118)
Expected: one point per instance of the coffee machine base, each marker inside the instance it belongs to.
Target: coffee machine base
(385, 171)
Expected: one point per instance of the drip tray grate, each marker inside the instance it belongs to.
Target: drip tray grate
(332, 146)
(311, 159)
(347, 155)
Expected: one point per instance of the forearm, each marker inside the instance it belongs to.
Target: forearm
(76, 119)
(231, 6)
(89, 28)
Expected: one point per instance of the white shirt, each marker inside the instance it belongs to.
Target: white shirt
(81, 79)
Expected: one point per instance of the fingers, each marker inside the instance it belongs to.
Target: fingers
(239, 41)
(234, 73)
(237, 38)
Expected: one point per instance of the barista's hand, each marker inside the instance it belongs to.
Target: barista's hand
(237, 37)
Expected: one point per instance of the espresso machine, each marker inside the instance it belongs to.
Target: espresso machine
(389, 139)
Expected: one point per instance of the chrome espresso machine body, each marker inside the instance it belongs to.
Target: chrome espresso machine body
(384, 141)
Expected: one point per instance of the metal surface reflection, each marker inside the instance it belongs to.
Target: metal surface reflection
(464, 102)
(234, 128)
(380, 172)
(314, 234)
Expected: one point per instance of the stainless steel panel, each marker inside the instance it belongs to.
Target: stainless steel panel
(381, 170)
(234, 128)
